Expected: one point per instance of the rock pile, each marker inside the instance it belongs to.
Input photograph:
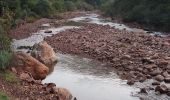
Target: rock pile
(136, 56)
(44, 91)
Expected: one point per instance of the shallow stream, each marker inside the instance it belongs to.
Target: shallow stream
(85, 78)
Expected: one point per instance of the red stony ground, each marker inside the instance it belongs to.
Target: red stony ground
(27, 29)
(136, 56)
(24, 87)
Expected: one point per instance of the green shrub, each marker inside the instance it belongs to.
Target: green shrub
(31, 19)
(3, 96)
(149, 12)
(4, 41)
(84, 6)
(42, 8)
(69, 5)
(9, 77)
(5, 57)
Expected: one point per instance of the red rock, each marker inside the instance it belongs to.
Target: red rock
(64, 94)
(143, 90)
(156, 83)
(48, 31)
(13, 69)
(162, 89)
(24, 76)
(147, 60)
(166, 74)
(130, 82)
(167, 80)
(162, 63)
(45, 54)
(155, 72)
(159, 78)
(31, 65)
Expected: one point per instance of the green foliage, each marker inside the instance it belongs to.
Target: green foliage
(69, 5)
(84, 6)
(58, 5)
(9, 77)
(3, 96)
(106, 7)
(4, 41)
(149, 12)
(42, 8)
(5, 57)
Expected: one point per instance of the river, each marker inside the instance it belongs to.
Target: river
(85, 78)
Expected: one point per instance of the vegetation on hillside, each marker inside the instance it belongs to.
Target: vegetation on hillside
(154, 13)
(16, 12)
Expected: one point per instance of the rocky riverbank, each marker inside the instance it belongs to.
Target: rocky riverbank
(26, 29)
(24, 87)
(136, 56)
(24, 80)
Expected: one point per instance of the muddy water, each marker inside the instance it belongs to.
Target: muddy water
(89, 80)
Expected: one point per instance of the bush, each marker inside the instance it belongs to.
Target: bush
(69, 5)
(58, 6)
(84, 6)
(9, 77)
(3, 96)
(42, 8)
(148, 12)
(5, 57)
(5, 42)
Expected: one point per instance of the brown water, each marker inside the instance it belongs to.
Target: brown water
(89, 80)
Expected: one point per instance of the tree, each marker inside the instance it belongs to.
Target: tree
(42, 8)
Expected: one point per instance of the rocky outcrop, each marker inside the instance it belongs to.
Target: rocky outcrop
(28, 63)
(44, 53)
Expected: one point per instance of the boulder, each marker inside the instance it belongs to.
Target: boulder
(131, 82)
(165, 74)
(167, 80)
(162, 63)
(31, 65)
(156, 83)
(63, 94)
(155, 72)
(143, 90)
(147, 60)
(44, 53)
(159, 78)
(162, 89)
(48, 31)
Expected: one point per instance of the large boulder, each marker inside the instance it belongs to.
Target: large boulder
(27, 63)
(44, 53)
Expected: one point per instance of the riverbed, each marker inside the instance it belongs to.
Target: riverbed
(85, 78)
